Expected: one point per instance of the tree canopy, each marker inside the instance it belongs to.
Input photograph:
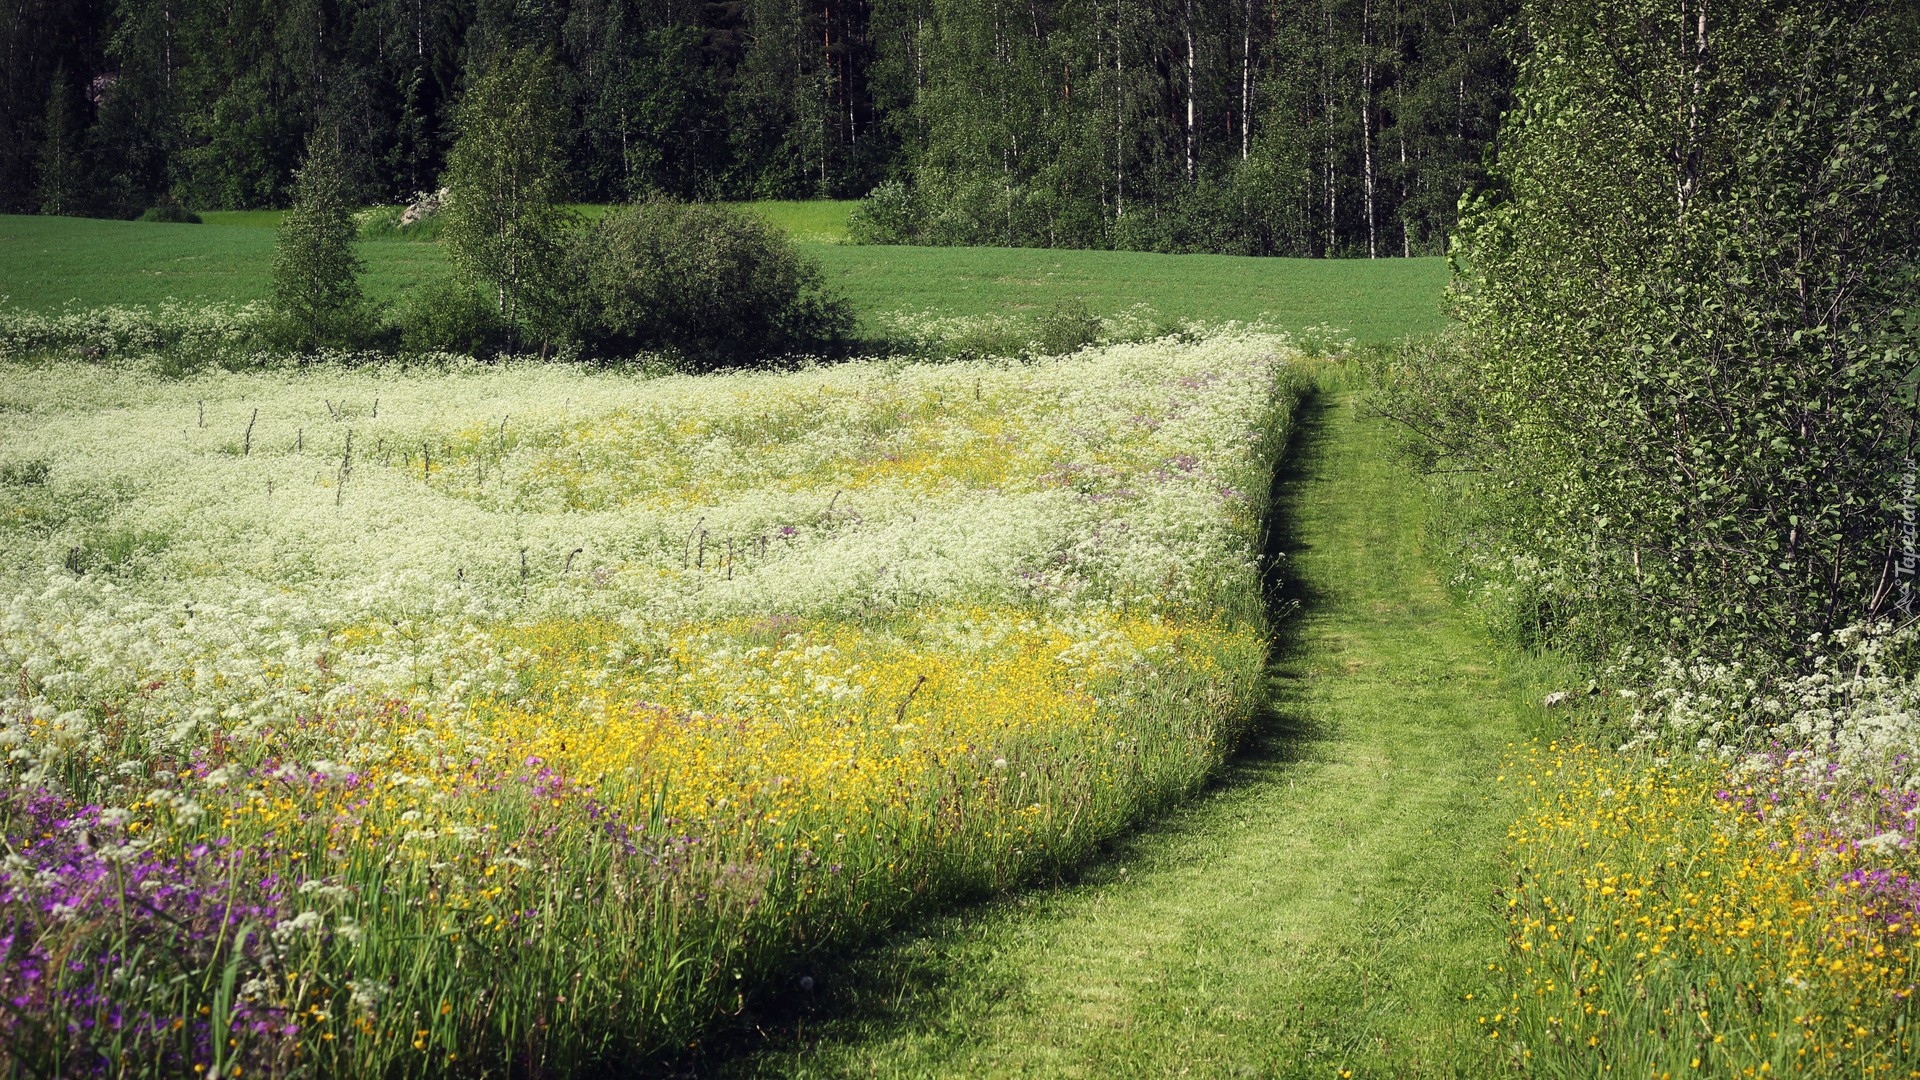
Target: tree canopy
(1341, 127)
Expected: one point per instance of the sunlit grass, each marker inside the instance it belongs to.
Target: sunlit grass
(344, 737)
(1670, 918)
(47, 264)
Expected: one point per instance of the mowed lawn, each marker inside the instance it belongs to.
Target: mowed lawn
(50, 263)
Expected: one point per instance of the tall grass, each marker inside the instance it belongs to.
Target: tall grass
(1675, 917)
(530, 719)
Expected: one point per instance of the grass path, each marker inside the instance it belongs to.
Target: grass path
(1325, 908)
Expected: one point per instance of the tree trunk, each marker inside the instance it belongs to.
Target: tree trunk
(1192, 132)
(1246, 82)
(1366, 117)
(1326, 124)
(1119, 113)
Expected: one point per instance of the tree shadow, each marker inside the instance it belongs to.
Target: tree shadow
(900, 980)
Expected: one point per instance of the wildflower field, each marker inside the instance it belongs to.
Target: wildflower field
(1683, 916)
(384, 722)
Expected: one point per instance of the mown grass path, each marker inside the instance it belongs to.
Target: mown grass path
(1326, 907)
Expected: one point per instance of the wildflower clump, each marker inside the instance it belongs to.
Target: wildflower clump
(364, 721)
(1682, 916)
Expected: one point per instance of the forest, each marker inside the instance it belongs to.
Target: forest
(1339, 128)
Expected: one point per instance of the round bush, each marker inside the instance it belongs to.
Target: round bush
(171, 214)
(711, 284)
(450, 316)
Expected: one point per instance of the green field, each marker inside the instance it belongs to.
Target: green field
(820, 221)
(50, 263)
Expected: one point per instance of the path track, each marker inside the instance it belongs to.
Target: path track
(1326, 907)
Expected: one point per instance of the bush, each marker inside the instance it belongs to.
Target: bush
(170, 213)
(183, 337)
(1067, 327)
(451, 317)
(714, 285)
(890, 214)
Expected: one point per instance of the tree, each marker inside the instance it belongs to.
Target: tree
(1132, 123)
(316, 285)
(37, 39)
(504, 220)
(1685, 311)
(61, 173)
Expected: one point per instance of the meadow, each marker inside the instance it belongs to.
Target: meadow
(51, 264)
(1669, 915)
(392, 721)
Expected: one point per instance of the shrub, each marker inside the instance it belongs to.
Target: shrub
(452, 317)
(170, 213)
(717, 286)
(182, 337)
(890, 214)
(1067, 327)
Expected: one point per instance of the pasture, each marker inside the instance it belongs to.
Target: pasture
(53, 263)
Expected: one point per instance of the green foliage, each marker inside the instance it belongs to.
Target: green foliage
(238, 150)
(710, 283)
(27, 473)
(504, 222)
(1214, 125)
(61, 168)
(1068, 327)
(52, 263)
(176, 339)
(170, 213)
(890, 214)
(316, 284)
(1683, 375)
(450, 316)
(1098, 124)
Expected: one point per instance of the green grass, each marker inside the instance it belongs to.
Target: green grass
(245, 219)
(814, 221)
(1328, 906)
(1376, 300)
(49, 263)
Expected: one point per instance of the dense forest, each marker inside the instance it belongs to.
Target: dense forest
(1342, 127)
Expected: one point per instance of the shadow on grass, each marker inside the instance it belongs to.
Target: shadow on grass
(904, 981)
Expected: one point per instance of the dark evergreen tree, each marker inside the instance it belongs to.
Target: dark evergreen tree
(37, 38)
(1338, 127)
